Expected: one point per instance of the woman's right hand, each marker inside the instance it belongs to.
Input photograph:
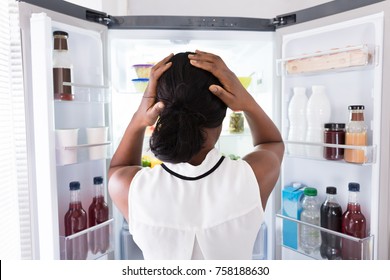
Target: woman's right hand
(233, 94)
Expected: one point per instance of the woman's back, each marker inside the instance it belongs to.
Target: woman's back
(172, 208)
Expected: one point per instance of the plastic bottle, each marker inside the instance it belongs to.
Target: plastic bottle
(75, 221)
(99, 239)
(318, 113)
(356, 134)
(331, 214)
(353, 224)
(62, 67)
(310, 237)
(297, 120)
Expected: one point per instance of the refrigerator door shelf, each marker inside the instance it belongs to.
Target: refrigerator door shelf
(369, 151)
(82, 153)
(364, 246)
(103, 231)
(88, 93)
(337, 59)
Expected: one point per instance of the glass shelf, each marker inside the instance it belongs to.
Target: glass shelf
(359, 248)
(302, 149)
(86, 244)
(338, 59)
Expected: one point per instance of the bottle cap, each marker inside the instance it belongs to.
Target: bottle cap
(60, 33)
(73, 186)
(331, 190)
(334, 126)
(310, 191)
(98, 180)
(353, 187)
(356, 107)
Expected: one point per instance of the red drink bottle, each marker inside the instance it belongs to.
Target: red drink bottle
(75, 221)
(99, 240)
(353, 224)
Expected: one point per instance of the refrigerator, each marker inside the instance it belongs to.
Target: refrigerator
(103, 50)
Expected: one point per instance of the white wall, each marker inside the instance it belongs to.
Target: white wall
(240, 8)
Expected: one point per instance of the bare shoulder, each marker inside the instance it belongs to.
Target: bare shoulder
(119, 186)
(266, 167)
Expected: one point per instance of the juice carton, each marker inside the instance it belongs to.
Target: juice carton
(291, 207)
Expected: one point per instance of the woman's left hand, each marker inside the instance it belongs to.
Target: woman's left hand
(149, 110)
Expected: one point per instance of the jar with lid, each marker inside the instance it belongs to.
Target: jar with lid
(356, 135)
(62, 67)
(334, 133)
(236, 124)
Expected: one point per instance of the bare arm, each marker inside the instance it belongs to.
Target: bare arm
(267, 155)
(126, 161)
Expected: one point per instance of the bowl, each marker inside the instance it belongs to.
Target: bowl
(143, 70)
(245, 81)
(140, 84)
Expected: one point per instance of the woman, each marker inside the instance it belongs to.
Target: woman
(197, 204)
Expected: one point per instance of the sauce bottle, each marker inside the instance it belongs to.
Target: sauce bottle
(356, 134)
(99, 239)
(75, 221)
(62, 67)
(353, 224)
(334, 133)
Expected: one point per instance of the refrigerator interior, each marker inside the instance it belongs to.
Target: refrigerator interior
(90, 108)
(246, 53)
(345, 86)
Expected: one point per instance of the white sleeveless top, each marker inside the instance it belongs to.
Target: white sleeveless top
(180, 216)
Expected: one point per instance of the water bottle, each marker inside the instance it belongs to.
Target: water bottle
(331, 213)
(297, 120)
(318, 113)
(310, 237)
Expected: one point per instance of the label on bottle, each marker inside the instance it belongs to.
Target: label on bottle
(62, 92)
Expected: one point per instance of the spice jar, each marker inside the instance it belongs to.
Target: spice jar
(356, 134)
(236, 124)
(334, 133)
(62, 67)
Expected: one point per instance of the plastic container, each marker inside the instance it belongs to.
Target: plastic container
(143, 70)
(297, 121)
(75, 221)
(353, 224)
(356, 134)
(129, 250)
(310, 237)
(334, 133)
(331, 214)
(62, 67)
(99, 239)
(140, 84)
(318, 113)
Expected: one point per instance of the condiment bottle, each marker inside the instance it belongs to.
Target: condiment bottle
(356, 134)
(334, 133)
(62, 67)
(75, 221)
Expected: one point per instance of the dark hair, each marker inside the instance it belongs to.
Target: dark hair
(189, 107)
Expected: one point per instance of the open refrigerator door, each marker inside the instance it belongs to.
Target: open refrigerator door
(72, 141)
(345, 60)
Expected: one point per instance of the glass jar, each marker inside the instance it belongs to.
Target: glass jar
(236, 124)
(334, 133)
(356, 135)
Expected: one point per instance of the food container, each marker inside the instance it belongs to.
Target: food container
(143, 70)
(236, 124)
(334, 133)
(140, 84)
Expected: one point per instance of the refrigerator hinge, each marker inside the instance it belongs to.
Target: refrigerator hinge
(284, 20)
(99, 17)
